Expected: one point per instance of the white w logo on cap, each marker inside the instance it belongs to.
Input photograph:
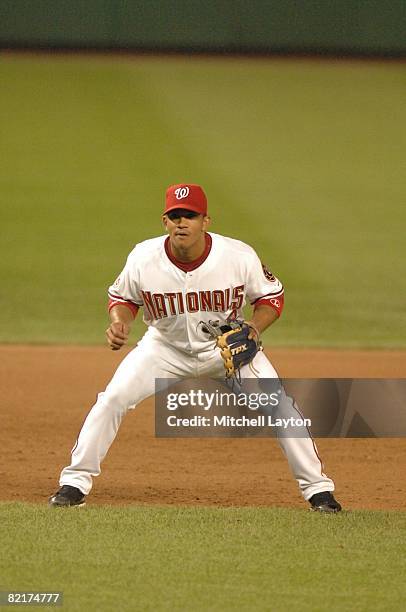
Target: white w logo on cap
(181, 192)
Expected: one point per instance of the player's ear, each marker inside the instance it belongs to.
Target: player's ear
(206, 222)
(165, 222)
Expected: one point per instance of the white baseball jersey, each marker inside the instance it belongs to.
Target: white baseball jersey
(175, 301)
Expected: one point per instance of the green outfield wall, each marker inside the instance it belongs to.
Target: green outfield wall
(291, 26)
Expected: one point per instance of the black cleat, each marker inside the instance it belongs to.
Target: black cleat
(324, 502)
(67, 496)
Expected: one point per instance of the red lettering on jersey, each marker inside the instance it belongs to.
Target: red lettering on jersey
(218, 301)
(181, 308)
(192, 301)
(238, 298)
(205, 300)
(171, 297)
(160, 306)
(146, 295)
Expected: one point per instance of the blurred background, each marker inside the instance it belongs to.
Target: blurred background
(291, 115)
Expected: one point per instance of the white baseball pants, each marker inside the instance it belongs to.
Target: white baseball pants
(134, 380)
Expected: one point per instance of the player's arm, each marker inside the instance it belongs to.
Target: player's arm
(124, 302)
(263, 317)
(121, 319)
(268, 296)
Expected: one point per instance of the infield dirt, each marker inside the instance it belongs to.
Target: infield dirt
(47, 392)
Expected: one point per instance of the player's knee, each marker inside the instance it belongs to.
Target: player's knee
(116, 401)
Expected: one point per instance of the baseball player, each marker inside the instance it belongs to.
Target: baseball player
(180, 279)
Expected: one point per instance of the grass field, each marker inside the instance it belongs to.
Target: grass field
(140, 558)
(302, 159)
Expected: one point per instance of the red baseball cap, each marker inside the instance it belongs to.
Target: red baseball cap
(187, 196)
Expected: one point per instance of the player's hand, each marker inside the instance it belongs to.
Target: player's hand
(117, 335)
(254, 333)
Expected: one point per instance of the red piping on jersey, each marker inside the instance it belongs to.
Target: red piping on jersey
(273, 294)
(190, 265)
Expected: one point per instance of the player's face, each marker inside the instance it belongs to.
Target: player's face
(186, 230)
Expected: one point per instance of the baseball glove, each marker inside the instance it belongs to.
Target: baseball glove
(236, 348)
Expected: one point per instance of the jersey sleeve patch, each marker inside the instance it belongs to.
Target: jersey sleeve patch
(268, 274)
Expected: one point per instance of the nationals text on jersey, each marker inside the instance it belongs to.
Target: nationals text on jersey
(162, 305)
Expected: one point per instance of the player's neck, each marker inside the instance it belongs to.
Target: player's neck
(192, 253)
